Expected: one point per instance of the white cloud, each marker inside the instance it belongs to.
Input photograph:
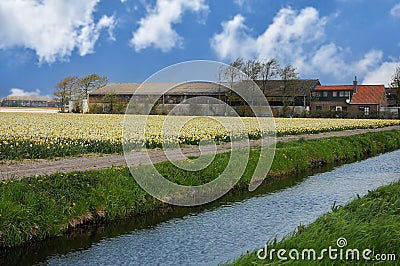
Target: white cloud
(381, 75)
(331, 59)
(296, 37)
(233, 41)
(285, 37)
(52, 28)
(240, 3)
(156, 30)
(395, 11)
(290, 32)
(245, 5)
(91, 33)
(20, 92)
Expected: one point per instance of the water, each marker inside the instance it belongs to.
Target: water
(220, 234)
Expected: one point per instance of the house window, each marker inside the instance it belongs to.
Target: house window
(365, 109)
(325, 94)
(334, 94)
(332, 108)
(338, 108)
(344, 108)
(318, 107)
(317, 94)
(344, 94)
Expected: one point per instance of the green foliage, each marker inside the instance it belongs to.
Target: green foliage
(43, 206)
(96, 109)
(91, 82)
(24, 149)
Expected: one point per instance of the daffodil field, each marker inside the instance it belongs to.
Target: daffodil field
(40, 135)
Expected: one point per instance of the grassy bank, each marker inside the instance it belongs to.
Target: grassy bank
(368, 223)
(43, 206)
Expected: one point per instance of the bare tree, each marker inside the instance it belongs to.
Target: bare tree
(64, 90)
(251, 68)
(395, 84)
(290, 77)
(232, 75)
(268, 70)
(233, 71)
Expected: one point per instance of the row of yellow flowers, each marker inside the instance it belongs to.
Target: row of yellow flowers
(30, 135)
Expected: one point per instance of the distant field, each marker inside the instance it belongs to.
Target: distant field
(41, 135)
(27, 110)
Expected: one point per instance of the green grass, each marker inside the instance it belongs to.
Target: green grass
(62, 147)
(371, 222)
(39, 207)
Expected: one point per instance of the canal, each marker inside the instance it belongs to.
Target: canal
(215, 233)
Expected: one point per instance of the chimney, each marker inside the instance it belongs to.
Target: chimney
(355, 84)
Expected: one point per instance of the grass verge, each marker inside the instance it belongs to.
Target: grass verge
(44, 206)
(370, 226)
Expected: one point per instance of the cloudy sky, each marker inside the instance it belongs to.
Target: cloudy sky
(43, 41)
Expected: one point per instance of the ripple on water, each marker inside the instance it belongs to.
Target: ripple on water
(221, 234)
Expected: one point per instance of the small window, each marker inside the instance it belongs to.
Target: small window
(344, 108)
(334, 94)
(332, 108)
(317, 94)
(366, 110)
(325, 94)
(338, 108)
(344, 94)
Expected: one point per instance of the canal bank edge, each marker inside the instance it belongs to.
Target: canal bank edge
(45, 206)
(363, 232)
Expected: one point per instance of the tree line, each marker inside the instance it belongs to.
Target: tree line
(262, 70)
(75, 88)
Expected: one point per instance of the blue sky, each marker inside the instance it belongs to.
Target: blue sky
(43, 41)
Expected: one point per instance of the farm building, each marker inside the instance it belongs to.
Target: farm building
(352, 99)
(28, 101)
(393, 97)
(292, 94)
(295, 94)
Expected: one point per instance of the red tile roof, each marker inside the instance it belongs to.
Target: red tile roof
(366, 94)
(335, 88)
(369, 94)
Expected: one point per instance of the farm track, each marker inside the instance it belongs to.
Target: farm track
(26, 168)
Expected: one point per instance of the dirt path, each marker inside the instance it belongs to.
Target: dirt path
(89, 162)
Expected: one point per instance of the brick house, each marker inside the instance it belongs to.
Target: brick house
(392, 97)
(353, 99)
